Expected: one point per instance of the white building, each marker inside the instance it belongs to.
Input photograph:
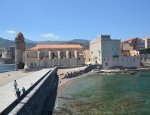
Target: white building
(140, 43)
(107, 52)
(147, 42)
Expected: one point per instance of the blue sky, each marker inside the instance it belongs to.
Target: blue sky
(74, 19)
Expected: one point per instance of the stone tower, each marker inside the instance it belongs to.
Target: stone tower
(19, 50)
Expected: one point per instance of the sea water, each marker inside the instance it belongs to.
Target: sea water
(5, 68)
(106, 95)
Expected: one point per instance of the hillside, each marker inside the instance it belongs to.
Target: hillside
(82, 42)
(6, 43)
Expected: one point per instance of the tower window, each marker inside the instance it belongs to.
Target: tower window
(106, 64)
(69, 54)
(53, 55)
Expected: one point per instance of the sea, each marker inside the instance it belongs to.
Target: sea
(122, 94)
(5, 68)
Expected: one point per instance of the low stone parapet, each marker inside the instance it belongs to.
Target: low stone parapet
(34, 102)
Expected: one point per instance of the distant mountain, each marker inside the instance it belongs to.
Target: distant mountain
(82, 42)
(30, 43)
(5, 43)
(43, 42)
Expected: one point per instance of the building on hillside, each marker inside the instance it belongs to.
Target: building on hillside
(54, 55)
(130, 53)
(127, 46)
(107, 52)
(86, 55)
(133, 44)
(147, 42)
(7, 56)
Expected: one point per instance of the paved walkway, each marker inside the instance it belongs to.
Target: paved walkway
(7, 93)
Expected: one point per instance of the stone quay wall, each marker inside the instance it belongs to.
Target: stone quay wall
(36, 100)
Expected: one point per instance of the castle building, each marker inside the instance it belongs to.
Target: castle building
(51, 55)
(107, 52)
(86, 55)
(19, 50)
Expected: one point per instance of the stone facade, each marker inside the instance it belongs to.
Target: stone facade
(86, 55)
(107, 52)
(54, 55)
(19, 51)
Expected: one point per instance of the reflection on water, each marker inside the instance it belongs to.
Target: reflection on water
(113, 94)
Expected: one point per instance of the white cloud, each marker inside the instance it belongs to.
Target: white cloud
(11, 32)
(49, 36)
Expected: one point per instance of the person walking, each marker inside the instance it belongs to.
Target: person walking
(23, 90)
(18, 93)
(15, 85)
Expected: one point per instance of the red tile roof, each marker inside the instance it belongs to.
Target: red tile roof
(56, 46)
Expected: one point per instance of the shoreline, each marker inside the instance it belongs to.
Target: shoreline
(7, 68)
(7, 64)
(64, 82)
(121, 70)
(67, 81)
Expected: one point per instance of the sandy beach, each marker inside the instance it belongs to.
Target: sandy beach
(7, 77)
(61, 73)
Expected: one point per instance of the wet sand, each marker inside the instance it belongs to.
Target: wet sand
(64, 82)
(61, 73)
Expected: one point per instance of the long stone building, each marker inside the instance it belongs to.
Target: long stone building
(48, 55)
(54, 55)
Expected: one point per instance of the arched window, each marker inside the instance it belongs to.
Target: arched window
(69, 54)
(61, 55)
(106, 64)
(31, 64)
(53, 55)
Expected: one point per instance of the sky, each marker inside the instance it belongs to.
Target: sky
(74, 19)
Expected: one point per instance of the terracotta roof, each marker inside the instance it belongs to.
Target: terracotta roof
(56, 46)
(33, 48)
